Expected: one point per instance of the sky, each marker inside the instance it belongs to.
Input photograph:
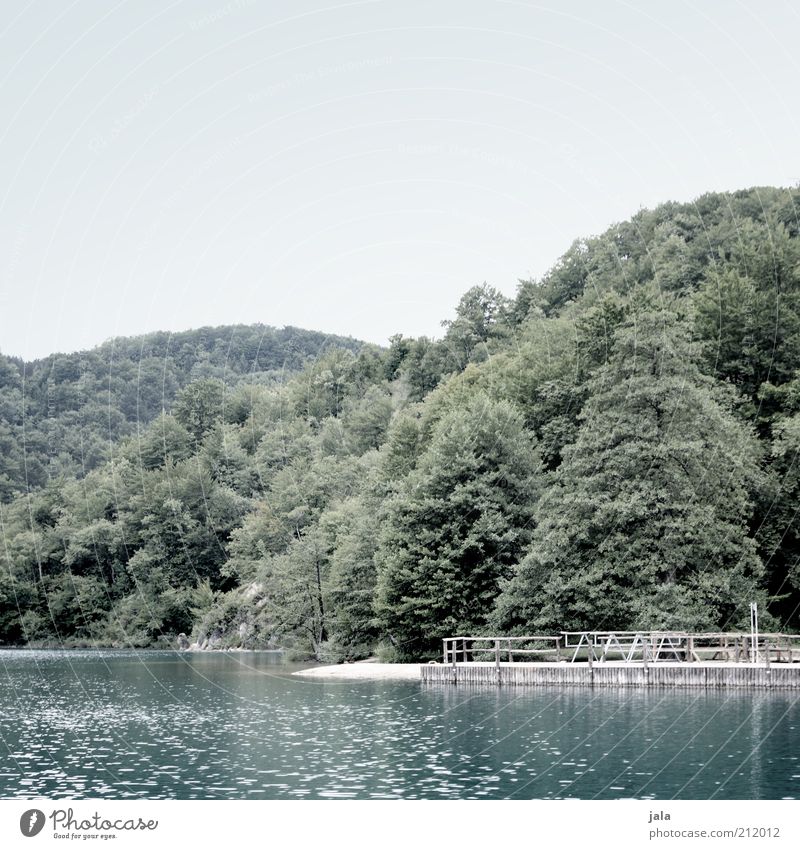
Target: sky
(354, 167)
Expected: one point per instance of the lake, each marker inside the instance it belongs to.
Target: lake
(163, 725)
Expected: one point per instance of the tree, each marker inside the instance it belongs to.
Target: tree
(323, 386)
(749, 311)
(779, 525)
(480, 316)
(200, 406)
(352, 578)
(165, 441)
(645, 523)
(458, 523)
(297, 584)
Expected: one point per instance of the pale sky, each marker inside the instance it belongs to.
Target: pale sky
(355, 167)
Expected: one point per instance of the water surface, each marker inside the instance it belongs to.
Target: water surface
(160, 725)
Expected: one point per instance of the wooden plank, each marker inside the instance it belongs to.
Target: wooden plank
(695, 676)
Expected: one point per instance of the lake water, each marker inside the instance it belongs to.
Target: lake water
(159, 725)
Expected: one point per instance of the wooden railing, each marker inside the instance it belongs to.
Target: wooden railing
(628, 646)
(498, 648)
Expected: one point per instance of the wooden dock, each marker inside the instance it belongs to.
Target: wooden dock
(643, 659)
(704, 675)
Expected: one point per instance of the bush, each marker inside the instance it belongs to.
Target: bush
(387, 653)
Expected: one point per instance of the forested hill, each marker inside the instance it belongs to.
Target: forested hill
(58, 415)
(614, 447)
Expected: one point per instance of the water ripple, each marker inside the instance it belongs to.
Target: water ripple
(164, 725)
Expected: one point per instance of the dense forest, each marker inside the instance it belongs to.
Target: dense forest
(61, 415)
(615, 446)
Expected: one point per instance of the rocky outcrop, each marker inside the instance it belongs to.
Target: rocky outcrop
(238, 620)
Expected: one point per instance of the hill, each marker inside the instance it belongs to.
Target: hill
(60, 414)
(615, 447)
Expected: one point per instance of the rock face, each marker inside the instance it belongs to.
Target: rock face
(183, 642)
(217, 640)
(240, 620)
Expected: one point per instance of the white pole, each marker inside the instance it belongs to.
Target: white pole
(753, 632)
(755, 619)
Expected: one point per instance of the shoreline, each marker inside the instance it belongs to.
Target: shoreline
(363, 671)
(175, 650)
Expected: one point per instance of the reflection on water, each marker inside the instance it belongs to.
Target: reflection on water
(161, 725)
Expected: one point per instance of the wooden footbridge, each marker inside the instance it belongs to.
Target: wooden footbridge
(622, 658)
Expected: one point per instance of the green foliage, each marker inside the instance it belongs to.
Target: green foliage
(75, 406)
(459, 523)
(297, 581)
(322, 387)
(200, 406)
(617, 446)
(645, 524)
(481, 318)
(750, 312)
(166, 441)
(778, 531)
(353, 529)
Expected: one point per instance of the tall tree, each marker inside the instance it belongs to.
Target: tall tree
(458, 523)
(481, 315)
(354, 526)
(779, 525)
(645, 524)
(200, 406)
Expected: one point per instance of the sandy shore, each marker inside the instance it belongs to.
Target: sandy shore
(364, 671)
(370, 671)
